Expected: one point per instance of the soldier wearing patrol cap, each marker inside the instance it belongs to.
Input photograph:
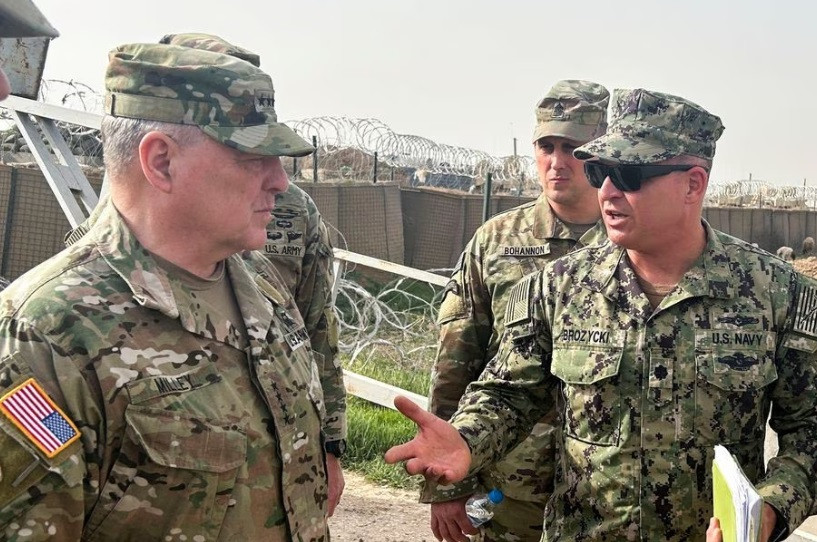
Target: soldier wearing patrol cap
(502, 251)
(156, 378)
(299, 247)
(660, 343)
(21, 19)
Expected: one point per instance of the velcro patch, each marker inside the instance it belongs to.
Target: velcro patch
(39, 418)
(805, 315)
(518, 309)
(453, 306)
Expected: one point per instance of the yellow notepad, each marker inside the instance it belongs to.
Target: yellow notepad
(736, 503)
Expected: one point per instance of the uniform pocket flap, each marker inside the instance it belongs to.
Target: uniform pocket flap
(583, 366)
(176, 440)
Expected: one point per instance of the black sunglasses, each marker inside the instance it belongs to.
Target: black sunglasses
(630, 177)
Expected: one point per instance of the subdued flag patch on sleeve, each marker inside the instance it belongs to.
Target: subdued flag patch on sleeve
(39, 418)
(805, 316)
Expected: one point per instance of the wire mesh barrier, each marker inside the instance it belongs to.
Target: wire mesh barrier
(760, 194)
(395, 324)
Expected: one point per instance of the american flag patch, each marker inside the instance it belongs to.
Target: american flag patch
(805, 319)
(35, 414)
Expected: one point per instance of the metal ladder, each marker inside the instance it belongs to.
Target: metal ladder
(37, 124)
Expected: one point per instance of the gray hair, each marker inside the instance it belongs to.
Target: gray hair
(121, 137)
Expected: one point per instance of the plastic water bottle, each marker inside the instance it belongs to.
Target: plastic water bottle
(480, 508)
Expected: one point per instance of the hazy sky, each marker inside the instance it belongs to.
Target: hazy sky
(469, 73)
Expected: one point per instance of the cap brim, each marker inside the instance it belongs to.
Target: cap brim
(614, 148)
(574, 132)
(272, 139)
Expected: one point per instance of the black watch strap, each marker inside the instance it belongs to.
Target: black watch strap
(335, 447)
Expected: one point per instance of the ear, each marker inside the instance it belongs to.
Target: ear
(698, 179)
(156, 152)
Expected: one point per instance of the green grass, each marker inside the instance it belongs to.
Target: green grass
(374, 429)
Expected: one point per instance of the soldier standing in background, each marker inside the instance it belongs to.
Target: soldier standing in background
(503, 250)
(660, 343)
(155, 384)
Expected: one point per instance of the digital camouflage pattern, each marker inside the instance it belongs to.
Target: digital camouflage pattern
(645, 394)
(184, 435)
(506, 248)
(648, 127)
(572, 109)
(299, 247)
(231, 100)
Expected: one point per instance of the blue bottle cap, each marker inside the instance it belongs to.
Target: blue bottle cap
(495, 496)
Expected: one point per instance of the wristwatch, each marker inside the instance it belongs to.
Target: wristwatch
(335, 447)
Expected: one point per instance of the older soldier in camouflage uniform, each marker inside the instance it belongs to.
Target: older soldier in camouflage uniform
(154, 383)
(668, 339)
(299, 247)
(503, 250)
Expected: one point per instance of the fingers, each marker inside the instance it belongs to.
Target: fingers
(713, 532)
(401, 452)
(412, 410)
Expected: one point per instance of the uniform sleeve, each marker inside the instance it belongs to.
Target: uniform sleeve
(314, 300)
(42, 495)
(789, 484)
(466, 324)
(499, 410)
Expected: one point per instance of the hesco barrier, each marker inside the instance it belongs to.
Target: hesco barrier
(424, 228)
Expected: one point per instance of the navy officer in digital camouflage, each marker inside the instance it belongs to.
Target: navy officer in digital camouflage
(666, 340)
(156, 377)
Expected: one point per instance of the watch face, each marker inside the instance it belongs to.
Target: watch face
(336, 447)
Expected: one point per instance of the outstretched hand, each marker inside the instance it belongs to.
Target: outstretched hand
(438, 452)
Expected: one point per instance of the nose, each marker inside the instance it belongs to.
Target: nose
(558, 160)
(275, 180)
(608, 190)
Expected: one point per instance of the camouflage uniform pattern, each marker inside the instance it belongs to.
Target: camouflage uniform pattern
(503, 250)
(299, 247)
(232, 101)
(184, 435)
(645, 395)
(648, 127)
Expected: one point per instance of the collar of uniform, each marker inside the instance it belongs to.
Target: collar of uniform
(254, 294)
(546, 225)
(711, 274)
(130, 260)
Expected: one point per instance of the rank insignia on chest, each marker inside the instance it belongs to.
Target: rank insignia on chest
(39, 418)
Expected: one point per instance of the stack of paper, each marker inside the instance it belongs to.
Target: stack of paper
(738, 506)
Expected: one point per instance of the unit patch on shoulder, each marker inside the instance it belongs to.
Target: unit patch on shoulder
(805, 315)
(518, 309)
(39, 418)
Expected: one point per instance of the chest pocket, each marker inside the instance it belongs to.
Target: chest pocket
(174, 470)
(734, 369)
(591, 393)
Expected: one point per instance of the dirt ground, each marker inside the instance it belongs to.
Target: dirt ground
(368, 512)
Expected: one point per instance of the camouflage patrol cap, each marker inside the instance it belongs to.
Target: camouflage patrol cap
(22, 19)
(573, 109)
(209, 42)
(648, 127)
(231, 100)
